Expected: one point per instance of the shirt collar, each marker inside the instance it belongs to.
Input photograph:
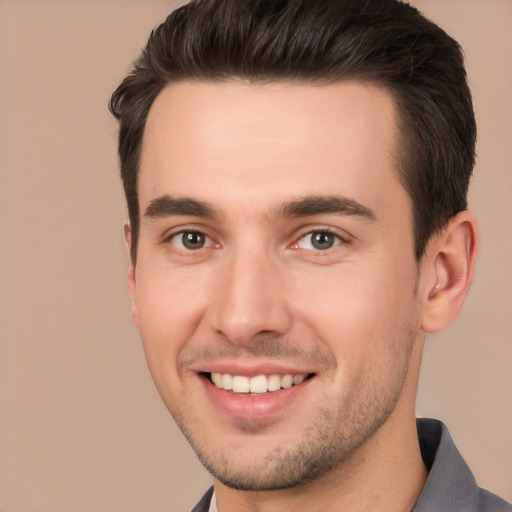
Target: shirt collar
(450, 484)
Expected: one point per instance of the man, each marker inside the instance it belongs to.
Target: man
(296, 176)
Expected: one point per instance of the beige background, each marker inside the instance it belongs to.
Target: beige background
(81, 427)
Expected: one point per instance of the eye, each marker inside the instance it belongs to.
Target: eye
(318, 241)
(191, 240)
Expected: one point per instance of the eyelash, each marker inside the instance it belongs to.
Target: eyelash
(194, 232)
(338, 240)
(209, 242)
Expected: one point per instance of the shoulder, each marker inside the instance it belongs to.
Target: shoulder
(450, 485)
(489, 502)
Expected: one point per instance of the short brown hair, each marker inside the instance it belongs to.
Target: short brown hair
(385, 42)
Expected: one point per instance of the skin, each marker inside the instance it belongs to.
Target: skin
(259, 297)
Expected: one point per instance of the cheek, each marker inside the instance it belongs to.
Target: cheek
(359, 313)
(170, 310)
(169, 300)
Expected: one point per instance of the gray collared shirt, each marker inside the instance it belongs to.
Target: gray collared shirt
(450, 486)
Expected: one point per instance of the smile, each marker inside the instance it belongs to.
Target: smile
(259, 384)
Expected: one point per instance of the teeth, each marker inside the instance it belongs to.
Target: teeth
(240, 384)
(287, 381)
(297, 379)
(259, 384)
(227, 381)
(217, 379)
(274, 383)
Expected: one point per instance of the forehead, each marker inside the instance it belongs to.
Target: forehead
(240, 141)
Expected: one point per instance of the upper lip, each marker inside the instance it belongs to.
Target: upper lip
(252, 369)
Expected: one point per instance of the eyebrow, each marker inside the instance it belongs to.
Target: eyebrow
(166, 206)
(318, 205)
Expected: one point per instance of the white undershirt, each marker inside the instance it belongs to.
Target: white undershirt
(213, 504)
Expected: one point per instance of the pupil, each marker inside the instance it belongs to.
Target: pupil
(322, 240)
(193, 240)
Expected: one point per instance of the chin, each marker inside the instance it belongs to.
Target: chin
(321, 449)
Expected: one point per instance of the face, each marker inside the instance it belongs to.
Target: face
(275, 285)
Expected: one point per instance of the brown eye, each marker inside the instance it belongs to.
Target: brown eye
(319, 241)
(190, 240)
(322, 240)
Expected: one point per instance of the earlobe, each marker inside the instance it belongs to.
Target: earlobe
(131, 274)
(450, 259)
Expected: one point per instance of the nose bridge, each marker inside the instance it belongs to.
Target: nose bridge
(250, 299)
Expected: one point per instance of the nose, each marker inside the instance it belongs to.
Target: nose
(251, 298)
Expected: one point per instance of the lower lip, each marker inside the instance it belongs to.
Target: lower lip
(253, 407)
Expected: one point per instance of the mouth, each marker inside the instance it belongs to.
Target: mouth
(253, 394)
(257, 385)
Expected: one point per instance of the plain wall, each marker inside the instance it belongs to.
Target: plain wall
(81, 425)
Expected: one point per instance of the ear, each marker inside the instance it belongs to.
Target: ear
(131, 273)
(447, 272)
